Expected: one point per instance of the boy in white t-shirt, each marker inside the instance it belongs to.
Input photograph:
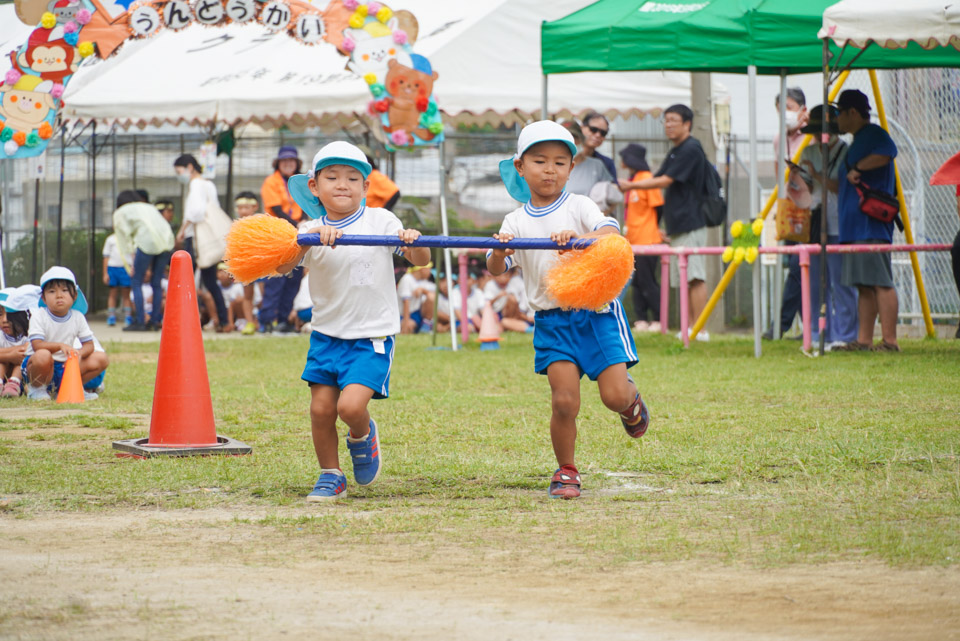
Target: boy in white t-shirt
(568, 343)
(116, 276)
(53, 328)
(355, 312)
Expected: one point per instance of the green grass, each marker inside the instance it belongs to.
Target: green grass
(783, 459)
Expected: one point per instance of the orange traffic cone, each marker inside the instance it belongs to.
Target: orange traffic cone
(182, 421)
(71, 385)
(489, 329)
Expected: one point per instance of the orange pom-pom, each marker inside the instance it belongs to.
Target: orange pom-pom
(592, 277)
(257, 245)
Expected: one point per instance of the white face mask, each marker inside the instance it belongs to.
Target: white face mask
(184, 178)
(792, 119)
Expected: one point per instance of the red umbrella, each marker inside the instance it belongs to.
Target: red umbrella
(949, 172)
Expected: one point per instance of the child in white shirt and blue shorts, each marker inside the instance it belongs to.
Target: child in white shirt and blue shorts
(355, 312)
(568, 343)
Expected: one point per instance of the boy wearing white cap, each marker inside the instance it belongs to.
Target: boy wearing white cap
(53, 328)
(568, 343)
(355, 311)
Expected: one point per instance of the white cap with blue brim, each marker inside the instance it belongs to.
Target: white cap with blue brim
(20, 299)
(335, 153)
(535, 132)
(62, 273)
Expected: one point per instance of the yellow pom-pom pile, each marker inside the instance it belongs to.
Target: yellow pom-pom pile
(592, 277)
(257, 245)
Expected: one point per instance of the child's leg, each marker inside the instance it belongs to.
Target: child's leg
(564, 378)
(112, 299)
(617, 391)
(92, 365)
(125, 301)
(352, 409)
(40, 368)
(248, 303)
(323, 425)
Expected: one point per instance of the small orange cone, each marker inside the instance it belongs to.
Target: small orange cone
(71, 385)
(182, 422)
(489, 329)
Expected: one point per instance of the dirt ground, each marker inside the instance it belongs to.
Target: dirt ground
(202, 574)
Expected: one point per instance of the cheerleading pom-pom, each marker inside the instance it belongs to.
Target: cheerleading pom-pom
(592, 277)
(258, 245)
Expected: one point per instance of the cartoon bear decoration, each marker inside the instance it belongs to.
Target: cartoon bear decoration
(410, 90)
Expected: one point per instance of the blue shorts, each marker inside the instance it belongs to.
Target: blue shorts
(91, 385)
(118, 277)
(339, 362)
(305, 314)
(593, 341)
(416, 318)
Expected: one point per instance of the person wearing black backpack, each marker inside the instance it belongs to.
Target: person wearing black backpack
(683, 177)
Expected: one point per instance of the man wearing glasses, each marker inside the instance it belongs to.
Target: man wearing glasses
(681, 176)
(595, 128)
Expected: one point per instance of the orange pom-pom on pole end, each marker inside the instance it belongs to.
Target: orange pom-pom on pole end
(592, 277)
(257, 245)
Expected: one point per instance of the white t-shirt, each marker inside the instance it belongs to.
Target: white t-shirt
(231, 293)
(111, 251)
(352, 287)
(475, 302)
(569, 211)
(405, 291)
(835, 160)
(200, 194)
(302, 299)
(515, 287)
(58, 329)
(9, 341)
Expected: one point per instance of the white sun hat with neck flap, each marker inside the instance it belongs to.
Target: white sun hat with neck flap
(335, 153)
(535, 132)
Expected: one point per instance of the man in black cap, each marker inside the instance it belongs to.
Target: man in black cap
(869, 161)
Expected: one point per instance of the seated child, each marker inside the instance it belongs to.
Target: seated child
(232, 293)
(475, 304)
(567, 343)
(53, 328)
(417, 295)
(116, 276)
(502, 293)
(15, 304)
(355, 311)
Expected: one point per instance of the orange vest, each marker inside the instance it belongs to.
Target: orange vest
(381, 189)
(274, 193)
(640, 216)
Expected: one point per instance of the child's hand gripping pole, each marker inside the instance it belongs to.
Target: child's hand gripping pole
(587, 278)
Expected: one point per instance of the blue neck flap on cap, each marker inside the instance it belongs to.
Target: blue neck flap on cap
(80, 304)
(299, 185)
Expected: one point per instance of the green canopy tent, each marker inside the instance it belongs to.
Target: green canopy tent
(752, 36)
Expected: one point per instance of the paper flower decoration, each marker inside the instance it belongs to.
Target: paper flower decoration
(83, 16)
(6, 134)
(70, 27)
(19, 138)
(373, 8)
(400, 138)
(356, 21)
(739, 254)
(382, 105)
(13, 76)
(350, 5)
(370, 78)
(435, 128)
(422, 102)
(432, 109)
(727, 255)
(57, 90)
(384, 14)
(399, 36)
(48, 20)
(10, 147)
(757, 227)
(752, 253)
(33, 139)
(348, 44)
(85, 49)
(361, 10)
(377, 89)
(45, 131)
(736, 229)
(372, 108)
(71, 38)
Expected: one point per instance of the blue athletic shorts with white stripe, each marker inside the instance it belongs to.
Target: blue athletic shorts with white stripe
(593, 341)
(339, 362)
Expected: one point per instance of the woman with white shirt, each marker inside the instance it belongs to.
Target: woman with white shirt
(200, 194)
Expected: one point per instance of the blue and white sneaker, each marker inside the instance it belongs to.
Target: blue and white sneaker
(37, 393)
(366, 456)
(331, 485)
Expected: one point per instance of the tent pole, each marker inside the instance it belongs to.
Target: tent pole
(907, 229)
(446, 232)
(754, 203)
(91, 254)
(63, 145)
(777, 302)
(824, 199)
(543, 97)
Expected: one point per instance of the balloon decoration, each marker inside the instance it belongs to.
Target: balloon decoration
(377, 41)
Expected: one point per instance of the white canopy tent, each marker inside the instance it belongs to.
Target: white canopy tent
(893, 23)
(486, 55)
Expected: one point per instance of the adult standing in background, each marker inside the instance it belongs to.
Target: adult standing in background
(595, 128)
(587, 170)
(201, 194)
(869, 161)
(641, 227)
(278, 293)
(142, 231)
(682, 177)
(382, 191)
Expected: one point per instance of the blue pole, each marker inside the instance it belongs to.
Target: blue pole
(461, 242)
